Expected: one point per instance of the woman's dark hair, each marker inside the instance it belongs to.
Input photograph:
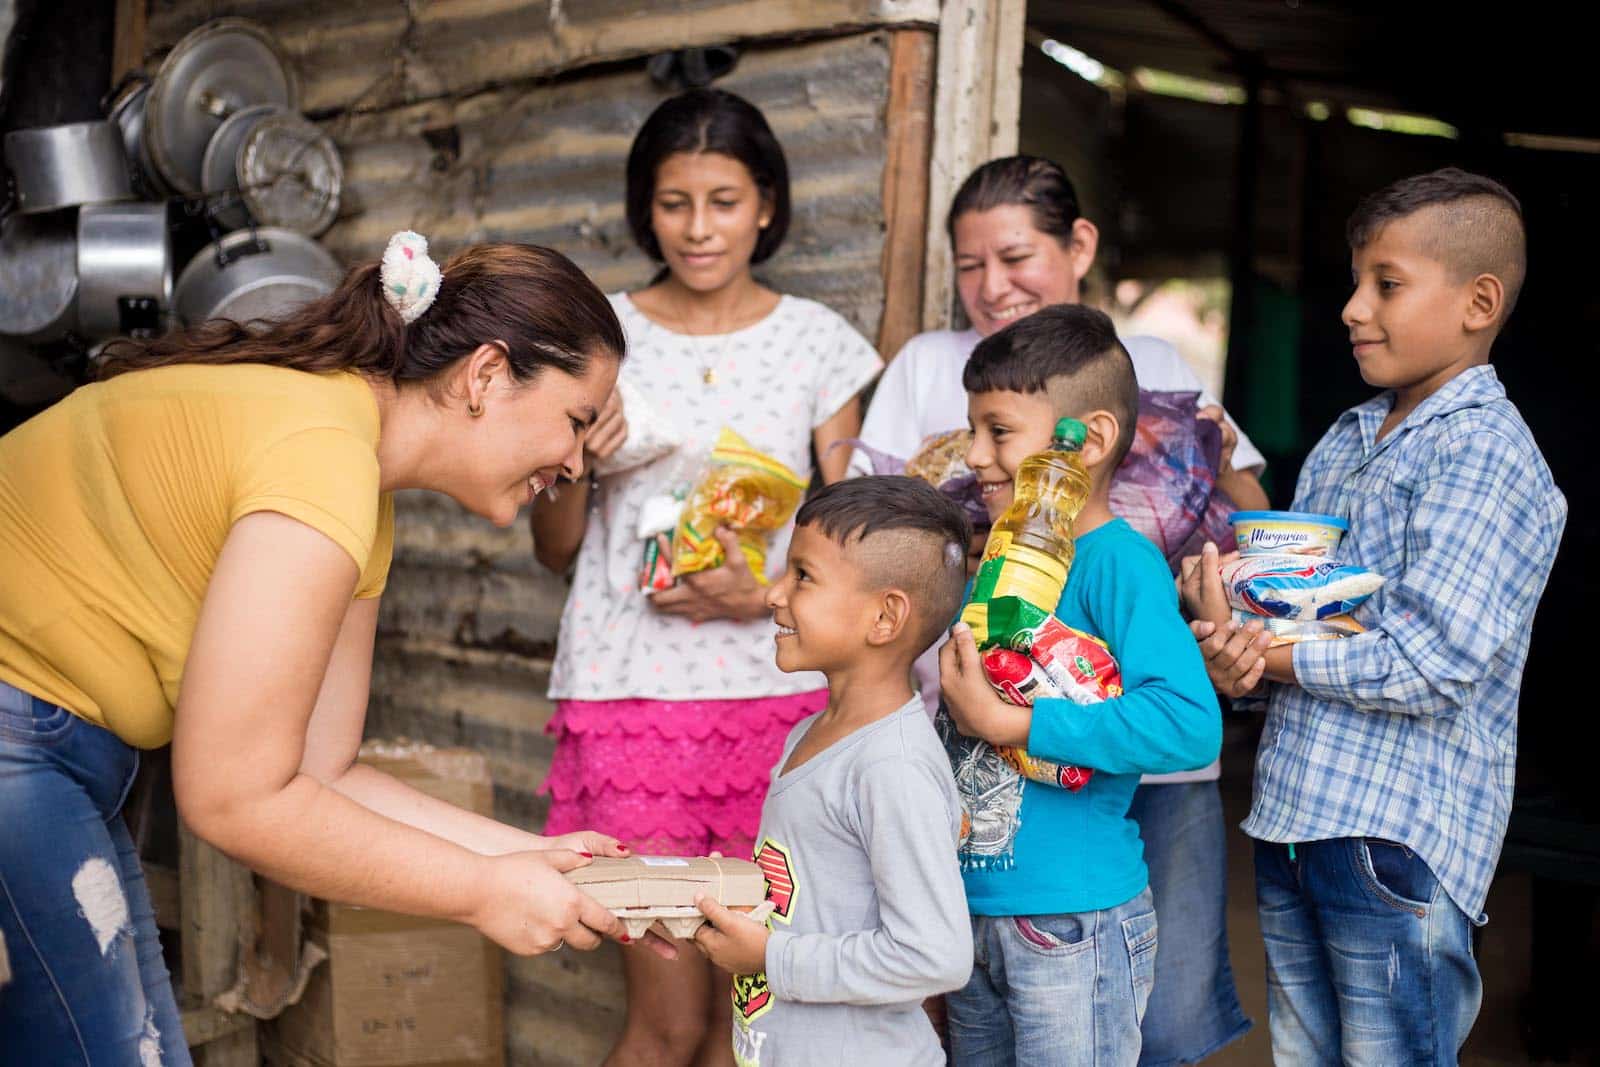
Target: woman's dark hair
(1037, 184)
(708, 120)
(533, 300)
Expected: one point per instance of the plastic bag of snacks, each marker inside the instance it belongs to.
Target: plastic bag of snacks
(747, 491)
(658, 516)
(1022, 681)
(941, 461)
(1047, 658)
(1078, 664)
(1297, 587)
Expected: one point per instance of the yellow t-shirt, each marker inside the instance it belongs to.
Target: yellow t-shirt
(114, 505)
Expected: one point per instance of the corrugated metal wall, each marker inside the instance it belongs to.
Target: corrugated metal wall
(469, 618)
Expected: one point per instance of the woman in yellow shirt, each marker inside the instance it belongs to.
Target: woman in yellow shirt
(192, 549)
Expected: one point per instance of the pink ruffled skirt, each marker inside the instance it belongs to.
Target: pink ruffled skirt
(669, 777)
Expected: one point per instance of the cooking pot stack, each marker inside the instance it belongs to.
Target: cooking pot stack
(212, 147)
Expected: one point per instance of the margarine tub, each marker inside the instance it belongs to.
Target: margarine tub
(1301, 533)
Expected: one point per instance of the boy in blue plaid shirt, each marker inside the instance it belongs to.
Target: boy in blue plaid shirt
(1384, 776)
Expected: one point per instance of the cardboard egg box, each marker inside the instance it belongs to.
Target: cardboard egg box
(659, 891)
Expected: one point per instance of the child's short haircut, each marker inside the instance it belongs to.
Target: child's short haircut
(1474, 224)
(903, 534)
(1069, 351)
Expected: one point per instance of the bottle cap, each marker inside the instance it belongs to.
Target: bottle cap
(1070, 435)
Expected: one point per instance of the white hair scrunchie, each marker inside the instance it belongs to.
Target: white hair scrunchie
(410, 279)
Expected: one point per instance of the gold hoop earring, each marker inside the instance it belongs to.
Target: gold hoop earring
(475, 410)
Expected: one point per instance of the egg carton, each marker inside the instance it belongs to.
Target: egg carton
(679, 922)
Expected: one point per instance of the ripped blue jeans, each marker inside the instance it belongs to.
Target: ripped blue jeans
(88, 985)
(1369, 961)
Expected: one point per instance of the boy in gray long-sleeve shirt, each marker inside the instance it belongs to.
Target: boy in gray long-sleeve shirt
(859, 829)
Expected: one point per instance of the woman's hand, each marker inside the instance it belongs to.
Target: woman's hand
(1242, 486)
(590, 842)
(529, 907)
(726, 592)
(610, 431)
(1230, 436)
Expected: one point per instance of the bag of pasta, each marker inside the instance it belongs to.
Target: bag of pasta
(747, 491)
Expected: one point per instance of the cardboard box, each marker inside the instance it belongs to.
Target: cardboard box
(399, 991)
(671, 881)
(657, 892)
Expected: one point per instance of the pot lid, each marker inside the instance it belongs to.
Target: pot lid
(290, 174)
(220, 68)
(38, 272)
(219, 165)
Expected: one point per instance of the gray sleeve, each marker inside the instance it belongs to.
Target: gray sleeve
(923, 943)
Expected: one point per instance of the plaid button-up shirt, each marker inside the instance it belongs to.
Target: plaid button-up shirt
(1409, 731)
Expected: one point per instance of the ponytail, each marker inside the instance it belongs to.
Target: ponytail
(533, 300)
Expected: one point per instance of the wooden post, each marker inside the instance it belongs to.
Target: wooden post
(218, 905)
(905, 185)
(127, 49)
(978, 101)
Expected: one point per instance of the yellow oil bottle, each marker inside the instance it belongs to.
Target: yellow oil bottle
(1030, 545)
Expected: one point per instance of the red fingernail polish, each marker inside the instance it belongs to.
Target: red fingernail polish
(625, 939)
(587, 855)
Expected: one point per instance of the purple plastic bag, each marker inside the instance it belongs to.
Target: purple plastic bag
(1166, 486)
(962, 486)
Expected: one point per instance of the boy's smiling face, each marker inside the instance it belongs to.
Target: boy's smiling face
(817, 603)
(1007, 428)
(1406, 317)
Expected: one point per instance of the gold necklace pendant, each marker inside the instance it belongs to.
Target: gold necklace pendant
(710, 376)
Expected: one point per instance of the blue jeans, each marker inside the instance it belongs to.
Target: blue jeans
(1056, 990)
(1194, 1008)
(88, 984)
(1368, 960)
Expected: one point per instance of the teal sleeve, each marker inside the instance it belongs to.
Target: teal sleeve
(1167, 719)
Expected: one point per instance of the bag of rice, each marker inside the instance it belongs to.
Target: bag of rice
(1297, 587)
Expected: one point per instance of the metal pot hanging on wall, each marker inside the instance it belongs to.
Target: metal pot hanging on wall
(219, 168)
(254, 274)
(55, 167)
(127, 113)
(290, 175)
(124, 269)
(217, 70)
(38, 276)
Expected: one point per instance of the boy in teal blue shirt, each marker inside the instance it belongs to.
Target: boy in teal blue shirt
(1064, 932)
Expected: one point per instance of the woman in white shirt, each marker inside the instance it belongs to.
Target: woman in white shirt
(1020, 244)
(670, 711)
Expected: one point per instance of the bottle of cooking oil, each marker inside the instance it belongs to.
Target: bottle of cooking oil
(1030, 546)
